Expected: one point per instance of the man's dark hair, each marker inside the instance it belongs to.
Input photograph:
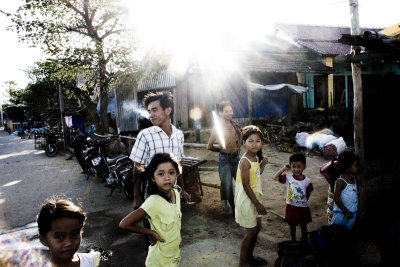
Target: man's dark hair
(223, 104)
(165, 99)
(298, 157)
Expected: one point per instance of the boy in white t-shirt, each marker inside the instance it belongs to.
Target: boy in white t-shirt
(298, 189)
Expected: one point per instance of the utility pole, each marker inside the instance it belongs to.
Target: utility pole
(358, 117)
(357, 85)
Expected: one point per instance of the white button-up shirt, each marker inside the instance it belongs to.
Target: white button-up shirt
(154, 140)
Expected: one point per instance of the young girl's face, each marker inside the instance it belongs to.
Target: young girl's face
(253, 143)
(165, 176)
(63, 239)
(354, 168)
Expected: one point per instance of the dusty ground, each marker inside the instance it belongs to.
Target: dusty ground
(210, 235)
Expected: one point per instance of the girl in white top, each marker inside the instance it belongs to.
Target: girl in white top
(60, 224)
(345, 195)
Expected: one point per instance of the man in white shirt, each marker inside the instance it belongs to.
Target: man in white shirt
(162, 137)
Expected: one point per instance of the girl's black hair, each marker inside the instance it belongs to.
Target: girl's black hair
(250, 130)
(152, 167)
(345, 160)
(55, 208)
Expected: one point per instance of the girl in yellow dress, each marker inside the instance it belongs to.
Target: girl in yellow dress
(248, 194)
(163, 210)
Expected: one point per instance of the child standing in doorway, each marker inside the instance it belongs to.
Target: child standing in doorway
(298, 190)
(248, 194)
(60, 224)
(345, 191)
(163, 210)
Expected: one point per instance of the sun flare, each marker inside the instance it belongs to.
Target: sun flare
(207, 33)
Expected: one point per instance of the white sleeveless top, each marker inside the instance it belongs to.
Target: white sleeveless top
(348, 196)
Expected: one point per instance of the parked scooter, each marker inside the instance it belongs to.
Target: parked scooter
(51, 144)
(94, 159)
(121, 177)
(117, 171)
(87, 152)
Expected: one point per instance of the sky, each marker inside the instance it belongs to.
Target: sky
(175, 22)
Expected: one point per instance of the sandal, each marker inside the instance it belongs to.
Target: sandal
(258, 261)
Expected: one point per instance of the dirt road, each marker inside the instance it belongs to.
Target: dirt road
(210, 237)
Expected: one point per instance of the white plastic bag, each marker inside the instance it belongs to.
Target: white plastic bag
(301, 139)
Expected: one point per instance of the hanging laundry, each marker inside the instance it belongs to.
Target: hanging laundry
(77, 123)
(68, 121)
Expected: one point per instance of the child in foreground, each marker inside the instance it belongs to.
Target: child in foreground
(60, 224)
(298, 190)
(345, 192)
(163, 210)
(248, 194)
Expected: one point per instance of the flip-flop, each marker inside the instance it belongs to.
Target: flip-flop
(258, 261)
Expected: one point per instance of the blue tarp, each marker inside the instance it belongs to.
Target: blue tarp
(272, 99)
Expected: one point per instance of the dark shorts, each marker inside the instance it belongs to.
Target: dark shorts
(227, 168)
(297, 215)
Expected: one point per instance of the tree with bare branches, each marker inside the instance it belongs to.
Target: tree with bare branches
(85, 39)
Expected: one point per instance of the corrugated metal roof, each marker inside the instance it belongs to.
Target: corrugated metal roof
(393, 31)
(278, 55)
(159, 80)
(321, 39)
(284, 63)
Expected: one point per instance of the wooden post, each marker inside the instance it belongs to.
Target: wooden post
(357, 85)
(64, 128)
(358, 118)
(249, 102)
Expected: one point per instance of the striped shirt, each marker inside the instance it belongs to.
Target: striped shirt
(154, 140)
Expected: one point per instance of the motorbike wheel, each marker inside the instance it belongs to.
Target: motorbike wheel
(51, 150)
(102, 175)
(128, 189)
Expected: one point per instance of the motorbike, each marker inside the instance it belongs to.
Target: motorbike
(51, 144)
(94, 158)
(117, 171)
(88, 154)
(121, 176)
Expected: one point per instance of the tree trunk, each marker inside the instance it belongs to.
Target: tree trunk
(103, 112)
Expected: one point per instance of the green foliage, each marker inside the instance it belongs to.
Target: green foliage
(16, 113)
(89, 37)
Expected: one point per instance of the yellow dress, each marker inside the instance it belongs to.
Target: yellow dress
(165, 219)
(245, 211)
